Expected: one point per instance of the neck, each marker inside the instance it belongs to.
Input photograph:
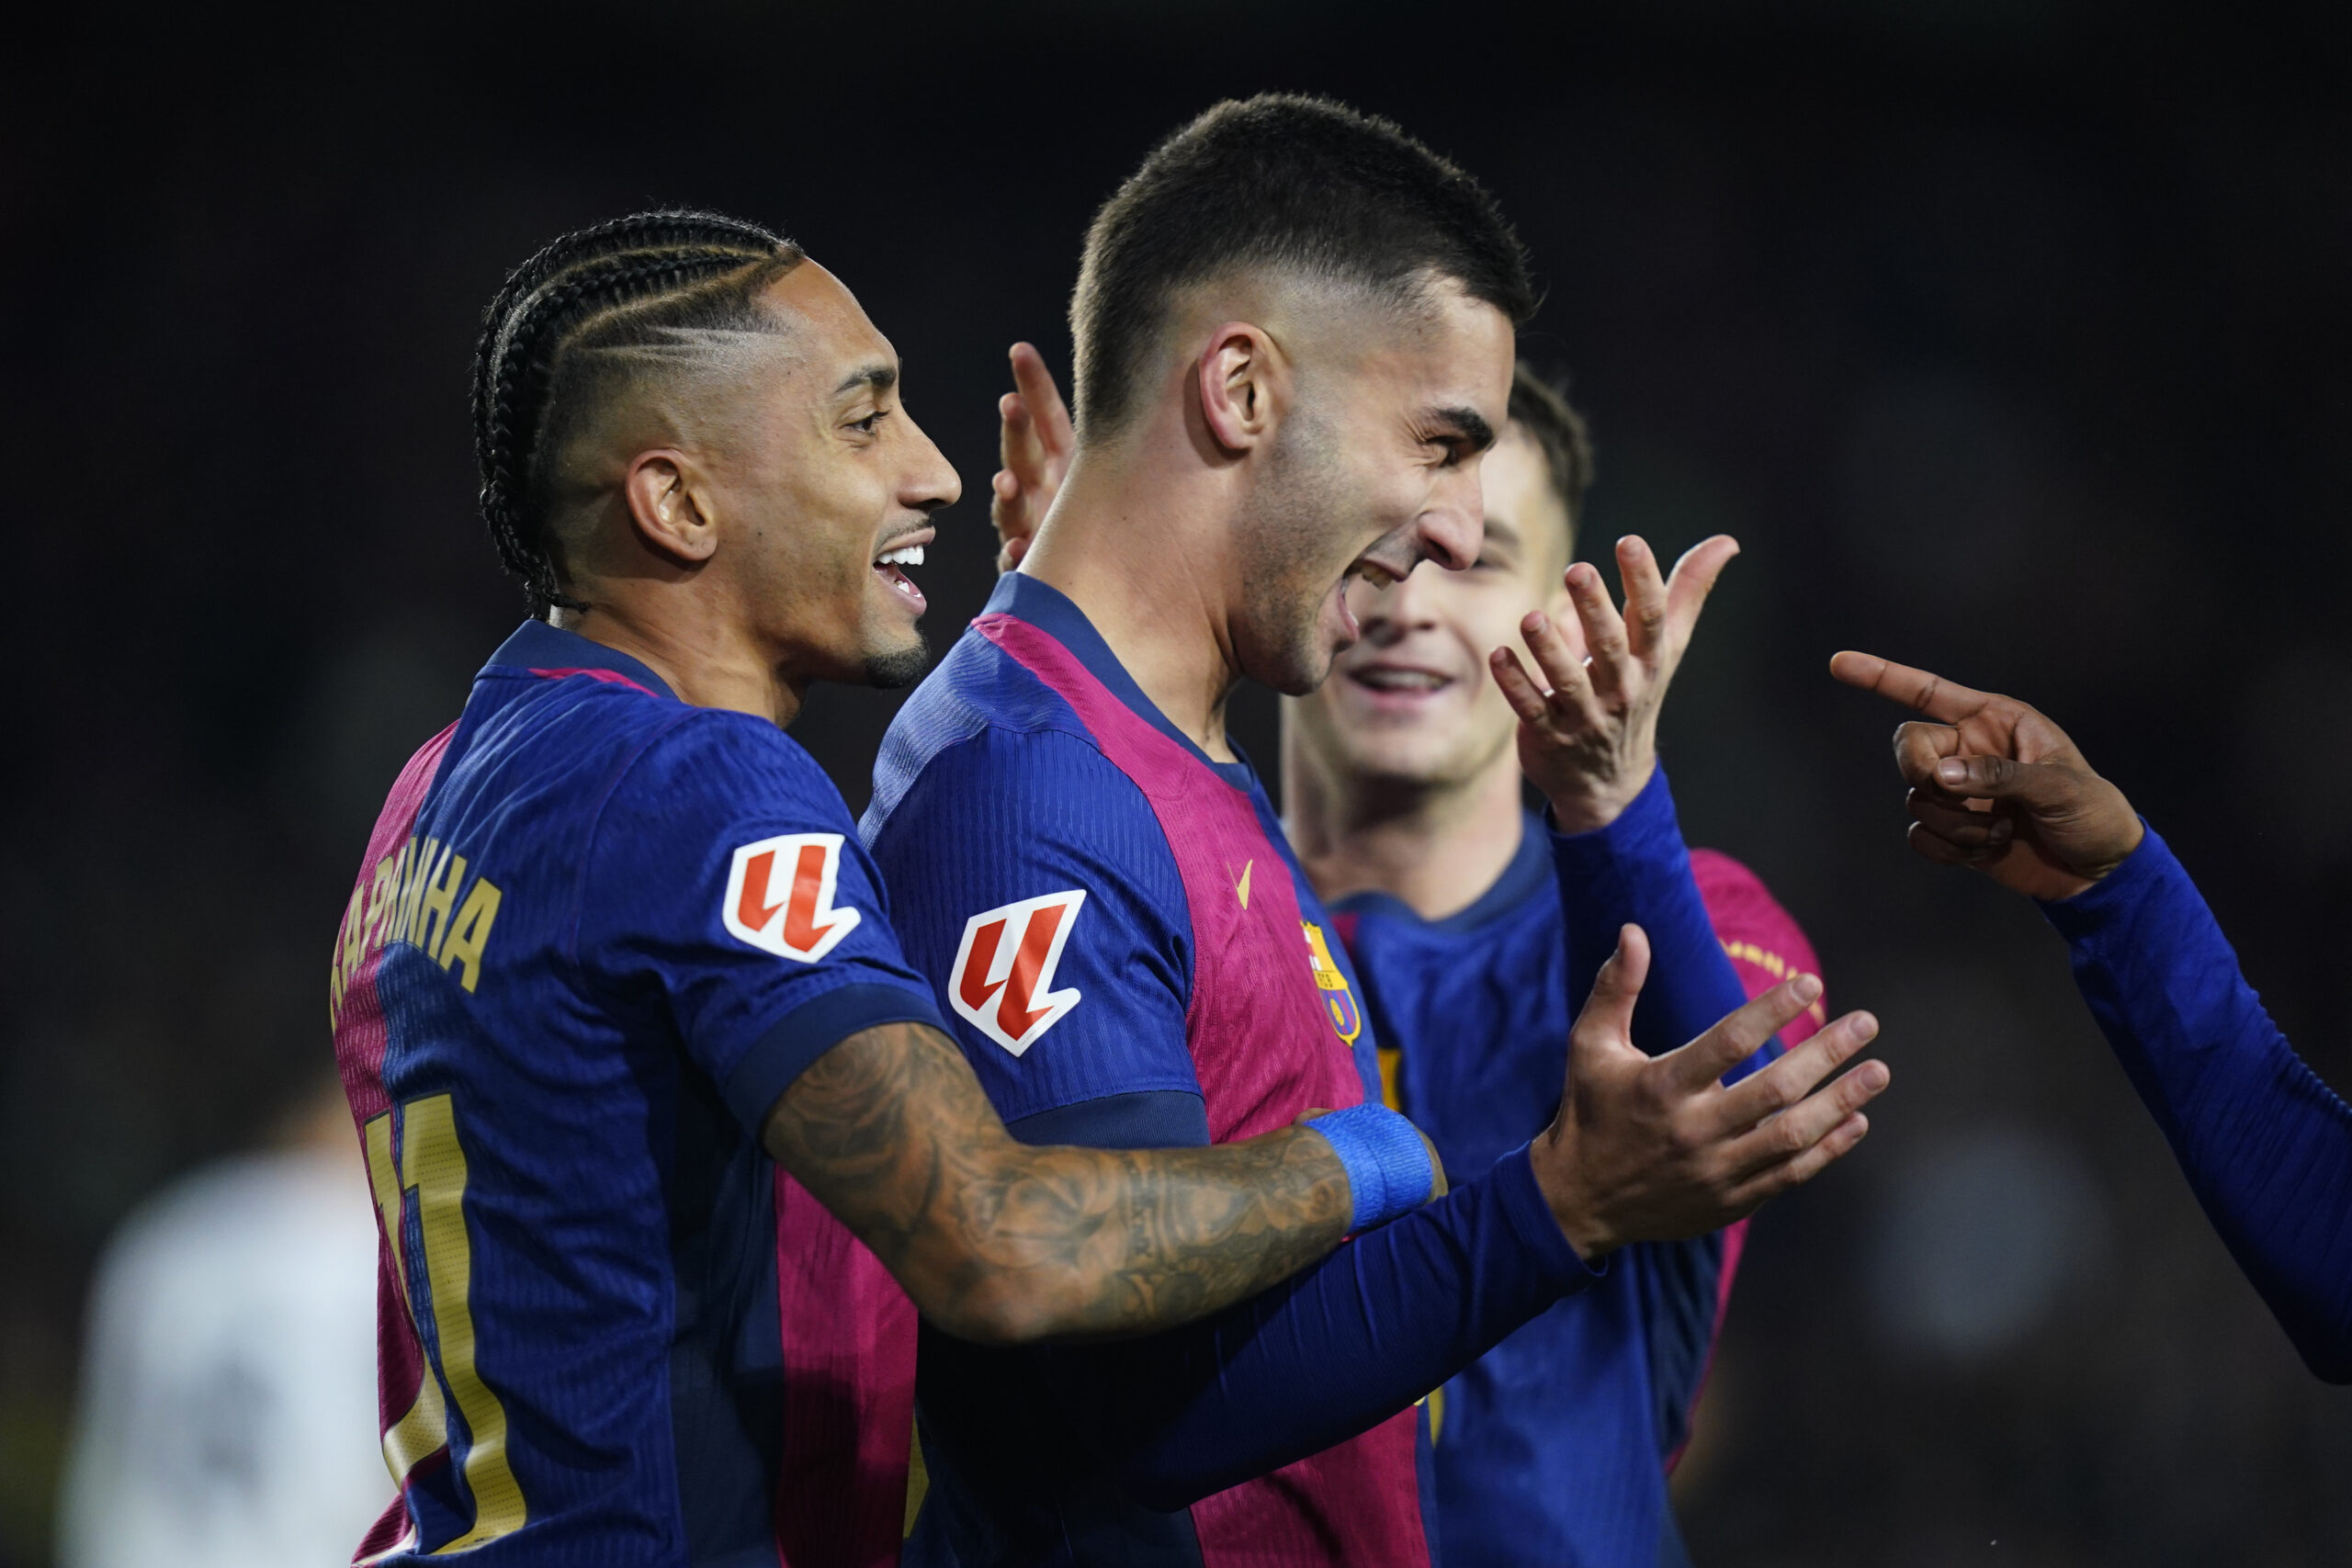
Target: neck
(1435, 848)
(708, 662)
(1143, 549)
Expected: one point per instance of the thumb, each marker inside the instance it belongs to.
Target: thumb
(1608, 1015)
(2037, 786)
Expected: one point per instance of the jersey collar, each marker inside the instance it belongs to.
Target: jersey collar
(550, 650)
(1528, 872)
(1052, 612)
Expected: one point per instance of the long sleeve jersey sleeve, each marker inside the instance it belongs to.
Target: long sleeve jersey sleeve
(2267, 1146)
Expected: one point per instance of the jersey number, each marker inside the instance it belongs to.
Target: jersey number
(427, 1176)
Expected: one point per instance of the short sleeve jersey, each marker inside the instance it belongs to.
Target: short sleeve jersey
(1112, 919)
(597, 934)
(1553, 1447)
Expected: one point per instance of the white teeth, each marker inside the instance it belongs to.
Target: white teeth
(1381, 680)
(910, 555)
(1378, 576)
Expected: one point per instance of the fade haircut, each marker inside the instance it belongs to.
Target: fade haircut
(1540, 406)
(641, 288)
(1278, 181)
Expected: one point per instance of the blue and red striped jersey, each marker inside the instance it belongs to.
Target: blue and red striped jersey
(597, 934)
(1135, 958)
(1553, 1447)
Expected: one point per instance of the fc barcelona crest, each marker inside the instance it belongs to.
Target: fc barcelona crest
(1339, 1002)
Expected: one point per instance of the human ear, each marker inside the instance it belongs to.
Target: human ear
(664, 508)
(1241, 378)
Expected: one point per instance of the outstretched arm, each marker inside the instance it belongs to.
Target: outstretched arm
(999, 1241)
(1642, 1148)
(2267, 1146)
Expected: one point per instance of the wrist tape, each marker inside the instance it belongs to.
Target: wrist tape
(1387, 1164)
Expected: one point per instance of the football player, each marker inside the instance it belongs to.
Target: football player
(615, 954)
(1401, 791)
(2266, 1146)
(1295, 330)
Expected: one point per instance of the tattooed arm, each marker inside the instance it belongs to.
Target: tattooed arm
(999, 1242)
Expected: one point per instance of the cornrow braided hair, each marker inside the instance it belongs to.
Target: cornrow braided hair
(621, 283)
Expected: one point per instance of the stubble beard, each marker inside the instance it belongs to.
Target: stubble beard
(1284, 582)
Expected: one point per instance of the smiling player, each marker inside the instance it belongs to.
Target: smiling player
(1401, 788)
(615, 954)
(1295, 336)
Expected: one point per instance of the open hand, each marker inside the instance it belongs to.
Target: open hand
(1588, 735)
(1997, 785)
(1035, 444)
(1657, 1148)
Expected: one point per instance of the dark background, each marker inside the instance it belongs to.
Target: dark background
(2009, 337)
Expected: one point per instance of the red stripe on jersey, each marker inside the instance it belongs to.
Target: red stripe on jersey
(1264, 1051)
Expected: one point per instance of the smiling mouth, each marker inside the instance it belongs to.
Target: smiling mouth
(889, 567)
(1391, 681)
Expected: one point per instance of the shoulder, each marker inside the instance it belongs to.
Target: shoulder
(697, 760)
(1746, 916)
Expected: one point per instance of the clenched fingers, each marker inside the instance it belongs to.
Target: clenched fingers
(1919, 747)
(1958, 824)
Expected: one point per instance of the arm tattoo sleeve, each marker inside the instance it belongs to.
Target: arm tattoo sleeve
(999, 1241)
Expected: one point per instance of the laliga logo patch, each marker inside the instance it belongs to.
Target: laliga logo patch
(780, 895)
(1004, 970)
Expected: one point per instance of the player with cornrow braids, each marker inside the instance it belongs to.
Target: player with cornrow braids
(616, 963)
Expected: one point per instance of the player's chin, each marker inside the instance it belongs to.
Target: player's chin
(898, 665)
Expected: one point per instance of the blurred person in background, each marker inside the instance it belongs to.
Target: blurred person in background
(2265, 1145)
(1402, 795)
(228, 1386)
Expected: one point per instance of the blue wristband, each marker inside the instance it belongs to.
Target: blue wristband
(1387, 1164)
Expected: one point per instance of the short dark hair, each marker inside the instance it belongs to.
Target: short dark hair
(1540, 406)
(1278, 180)
(635, 281)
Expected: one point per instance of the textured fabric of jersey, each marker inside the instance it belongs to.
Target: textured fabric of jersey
(1113, 914)
(2266, 1144)
(597, 932)
(1553, 1447)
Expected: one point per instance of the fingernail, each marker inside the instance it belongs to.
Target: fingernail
(1805, 987)
(1951, 769)
(1865, 1026)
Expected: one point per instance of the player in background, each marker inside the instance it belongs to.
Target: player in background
(1294, 343)
(616, 947)
(2266, 1144)
(1401, 791)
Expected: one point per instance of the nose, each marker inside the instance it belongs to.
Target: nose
(1453, 531)
(929, 480)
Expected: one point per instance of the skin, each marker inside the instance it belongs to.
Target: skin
(1995, 785)
(1643, 1149)
(725, 528)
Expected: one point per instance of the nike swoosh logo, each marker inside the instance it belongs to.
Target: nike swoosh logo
(1241, 888)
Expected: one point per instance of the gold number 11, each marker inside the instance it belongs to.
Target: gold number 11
(430, 1171)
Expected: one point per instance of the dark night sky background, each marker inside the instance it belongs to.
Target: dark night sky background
(2010, 338)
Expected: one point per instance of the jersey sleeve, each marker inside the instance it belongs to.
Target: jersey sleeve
(1038, 895)
(2266, 1144)
(725, 874)
(1685, 1286)
(1637, 870)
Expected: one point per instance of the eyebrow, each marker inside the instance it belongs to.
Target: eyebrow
(874, 377)
(1468, 423)
(1502, 532)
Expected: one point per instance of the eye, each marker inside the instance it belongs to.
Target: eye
(871, 422)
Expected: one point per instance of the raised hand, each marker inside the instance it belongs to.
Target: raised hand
(1588, 734)
(1657, 1148)
(1997, 785)
(1035, 444)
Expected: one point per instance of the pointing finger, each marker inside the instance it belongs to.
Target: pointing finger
(1915, 689)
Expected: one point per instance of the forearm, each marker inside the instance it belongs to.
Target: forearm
(1637, 870)
(1370, 1331)
(2267, 1146)
(999, 1242)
